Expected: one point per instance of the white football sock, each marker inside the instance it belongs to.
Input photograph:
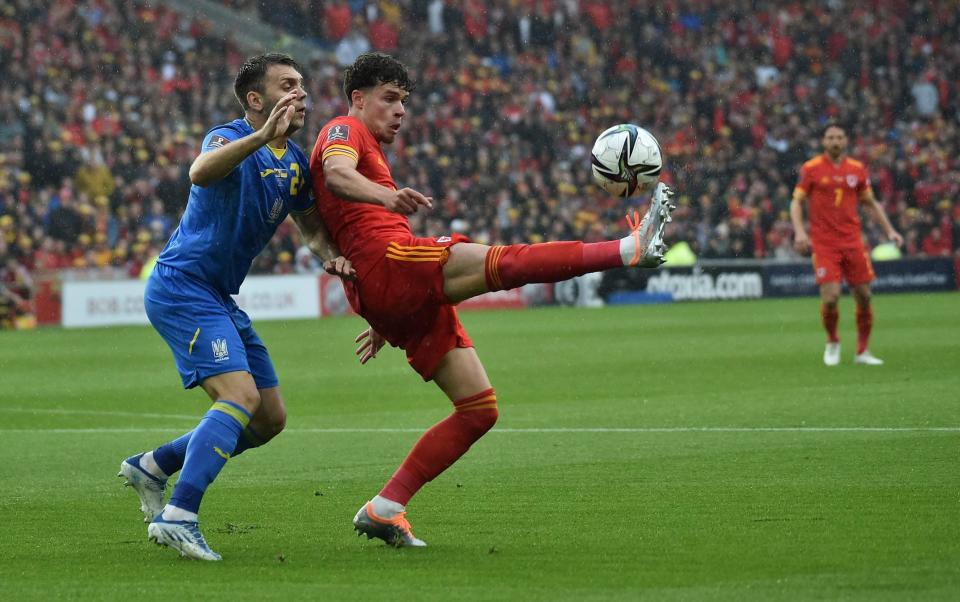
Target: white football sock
(149, 464)
(385, 508)
(174, 513)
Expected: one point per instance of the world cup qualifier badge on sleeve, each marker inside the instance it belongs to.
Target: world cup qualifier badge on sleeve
(338, 132)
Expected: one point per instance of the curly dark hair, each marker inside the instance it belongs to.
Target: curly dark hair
(251, 74)
(372, 69)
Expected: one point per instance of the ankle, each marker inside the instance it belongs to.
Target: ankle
(150, 465)
(386, 508)
(178, 514)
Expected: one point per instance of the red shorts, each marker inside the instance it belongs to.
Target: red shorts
(399, 291)
(836, 265)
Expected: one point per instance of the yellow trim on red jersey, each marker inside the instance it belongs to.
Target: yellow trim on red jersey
(400, 247)
(343, 147)
(340, 150)
(493, 266)
(815, 161)
(338, 153)
(412, 259)
(415, 252)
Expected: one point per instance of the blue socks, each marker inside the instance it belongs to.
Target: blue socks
(170, 456)
(208, 448)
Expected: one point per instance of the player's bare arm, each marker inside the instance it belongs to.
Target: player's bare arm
(801, 242)
(343, 179)
(212, 166)
(873, 207)
(318, 240)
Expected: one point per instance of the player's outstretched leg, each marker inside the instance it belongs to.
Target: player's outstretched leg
(149, 487)
(510, 266)
(395, 531)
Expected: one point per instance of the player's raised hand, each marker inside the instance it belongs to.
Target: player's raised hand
(280, 117)
(340, 266)
(801, 242)
(407, 201)
(370, 343)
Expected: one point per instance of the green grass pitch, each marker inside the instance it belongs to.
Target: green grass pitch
(675, 452)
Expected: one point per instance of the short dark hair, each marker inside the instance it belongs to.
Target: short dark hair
(833, 124)
(251, 74)
(372, 69)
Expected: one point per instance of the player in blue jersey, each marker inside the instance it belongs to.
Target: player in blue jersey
(248, 177)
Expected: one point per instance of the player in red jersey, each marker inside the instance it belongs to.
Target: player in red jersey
(406, 287)
(835, 186)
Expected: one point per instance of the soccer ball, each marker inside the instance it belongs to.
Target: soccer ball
(625, 158)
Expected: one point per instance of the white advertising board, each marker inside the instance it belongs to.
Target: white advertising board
(120, 302)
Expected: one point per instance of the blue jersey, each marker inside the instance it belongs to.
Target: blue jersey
(228, 223)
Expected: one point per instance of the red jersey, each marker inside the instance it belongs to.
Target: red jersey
(833, 196)
(351, 223)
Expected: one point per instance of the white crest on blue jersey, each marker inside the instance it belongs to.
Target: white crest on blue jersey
(220, 352)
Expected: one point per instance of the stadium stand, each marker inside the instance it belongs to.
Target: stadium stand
(106, 103)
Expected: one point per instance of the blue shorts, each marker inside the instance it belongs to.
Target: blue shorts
(207, 332)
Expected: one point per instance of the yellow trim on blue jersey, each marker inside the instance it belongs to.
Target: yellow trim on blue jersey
(231, 411)
(192, 341)
(306, 211)
(277, 152)
(221, 453)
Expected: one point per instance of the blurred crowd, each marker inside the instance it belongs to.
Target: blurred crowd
(107, 100)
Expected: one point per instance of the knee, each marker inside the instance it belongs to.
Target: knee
(247, 399)
(831, 301)
(480, 421)
(274, 426)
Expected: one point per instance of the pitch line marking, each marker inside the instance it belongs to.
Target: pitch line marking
(67, 412)
(639, 430)
(653, 429)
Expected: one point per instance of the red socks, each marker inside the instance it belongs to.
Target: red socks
(864, 326)
(443, 445)
(511, 266)
(830, 316)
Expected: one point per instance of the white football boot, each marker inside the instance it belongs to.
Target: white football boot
(395, 531)
(183, 536)
(867, 359)
(644, 247)
(148, 487)
(831, 354)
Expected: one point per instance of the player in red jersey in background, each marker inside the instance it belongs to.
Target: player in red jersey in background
(835, 186)
(407, 287)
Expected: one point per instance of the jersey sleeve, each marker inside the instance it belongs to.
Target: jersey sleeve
(218, 138)
(342, 140)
